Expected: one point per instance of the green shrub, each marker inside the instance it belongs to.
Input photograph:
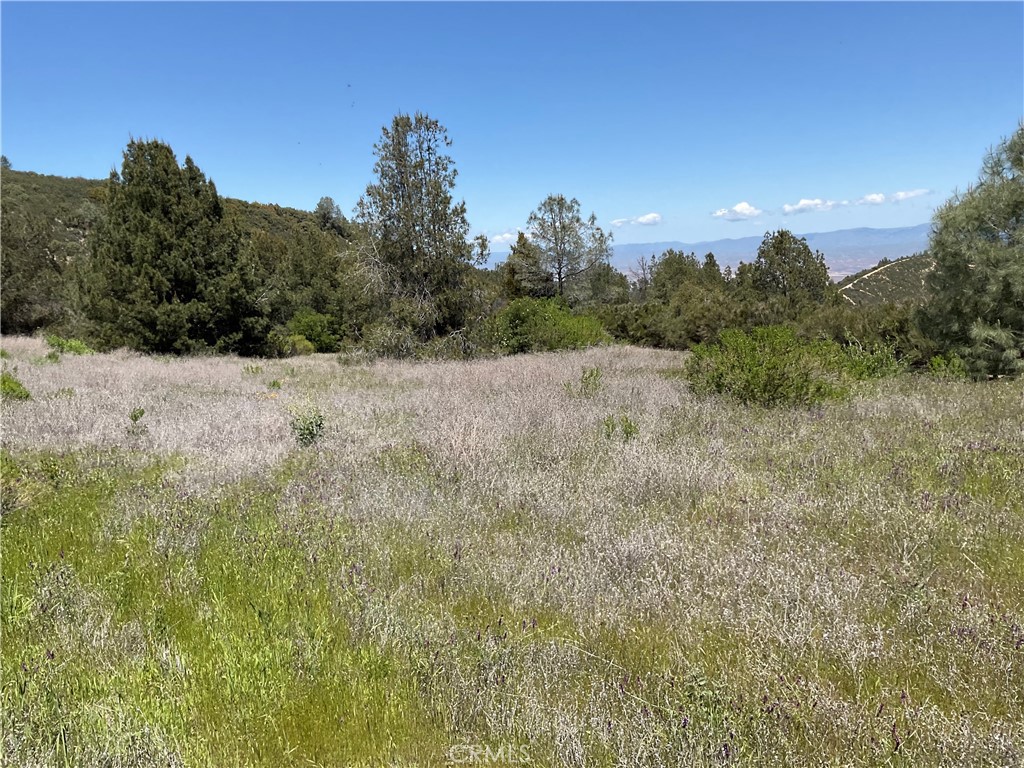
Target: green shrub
(948, 367)
(307, 424)
(68, 346)
(11, 388)
(4, 354)
(768, 367)
(540, 325)
(252, 369)
(315, 328)
(282, 344)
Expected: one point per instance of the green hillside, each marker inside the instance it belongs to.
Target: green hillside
(46, 221)
(889, 281)
(75, 204)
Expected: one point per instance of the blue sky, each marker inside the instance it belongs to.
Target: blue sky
(670, 121)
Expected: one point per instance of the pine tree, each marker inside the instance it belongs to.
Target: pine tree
(418, 248)
(977, 306)
(569, 245)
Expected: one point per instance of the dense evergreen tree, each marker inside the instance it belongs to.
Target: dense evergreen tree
(977, 305)
(165, 274)
(523, 275)
(31, 271)
(786, 267)
(330, 218)
(418, 245)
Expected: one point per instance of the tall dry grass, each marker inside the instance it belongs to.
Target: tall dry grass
(841, 585)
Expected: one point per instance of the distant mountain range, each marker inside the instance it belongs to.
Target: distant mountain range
(846, 251)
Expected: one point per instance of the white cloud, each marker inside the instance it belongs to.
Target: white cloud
(647, 220)
(504, 238)
(739, 212)
(875, 198)
(898, 196)
(806, 205)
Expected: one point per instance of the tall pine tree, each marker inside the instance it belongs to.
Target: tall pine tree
(977, 306)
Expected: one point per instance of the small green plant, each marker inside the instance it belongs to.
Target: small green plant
(11, 388)
(136, 428)
(948, 367)
(621, 424)
(68, 346)
(64, 393)
(590, 384)
(275, 384)
(53, 356)
(4, 354)
(307, 424)
(252, 369)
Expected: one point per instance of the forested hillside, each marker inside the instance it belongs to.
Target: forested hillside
(154, 259)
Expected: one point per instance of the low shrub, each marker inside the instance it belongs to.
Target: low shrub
(11, 388)
(315, 328)
(388, 340)
(948, 367)
(68, 346)
(282, 344)
(769, 366)
(541, 325)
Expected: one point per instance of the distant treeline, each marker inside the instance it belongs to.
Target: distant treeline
(156, 260)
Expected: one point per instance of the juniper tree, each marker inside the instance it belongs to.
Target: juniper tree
(165, 274)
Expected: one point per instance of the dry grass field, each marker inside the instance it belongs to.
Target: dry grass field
(512, 561)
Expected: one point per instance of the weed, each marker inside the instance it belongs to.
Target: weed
(589, 385)
(68, 346)
(620, 424)
(11, 388)
(307, 424)
(252, 369)
(136, 428)
(274, 384)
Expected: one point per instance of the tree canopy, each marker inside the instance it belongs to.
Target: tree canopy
(977, 305)
(568, 245)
